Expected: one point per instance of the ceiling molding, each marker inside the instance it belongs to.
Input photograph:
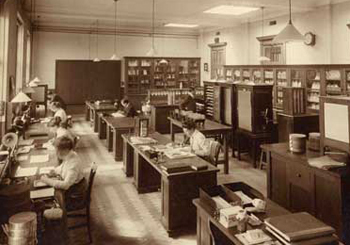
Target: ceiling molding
(216, 45)
(266, 38)
(123, 32)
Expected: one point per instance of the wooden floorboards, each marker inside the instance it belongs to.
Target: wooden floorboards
(119, 214)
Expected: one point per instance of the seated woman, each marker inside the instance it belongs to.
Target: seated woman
(60, 115)
(128, 108)
(70, 170)
(199, 144)
(57, 98)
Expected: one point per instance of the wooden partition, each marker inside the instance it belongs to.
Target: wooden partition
(81, 80)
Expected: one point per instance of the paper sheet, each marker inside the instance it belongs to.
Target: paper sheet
(22, 158)
(48, 146)
(39, 158)
(24, 172)
(221, 203)
(117, 114)
(24, 150)
(46, 170)
(47, 192)
(245, 199)
(26, 142)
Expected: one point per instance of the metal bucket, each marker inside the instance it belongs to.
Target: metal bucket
(22, 229)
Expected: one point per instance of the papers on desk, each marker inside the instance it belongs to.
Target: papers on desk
(25, 172)
(26, 142)
(220, 202)
(45, 120)
(177, 153)
(39, 158)
(49, 146)
(22, 158)
(24, 150)
(252, 237)
(245, 199)
(142, 140)
(38, 183)
(117, 114)
(324, 162)
(42, 193)
(46, 170)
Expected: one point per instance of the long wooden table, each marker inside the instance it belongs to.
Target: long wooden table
(206, 218)
(177, 189)
(210, 128)
(91, 110)
(114, 128)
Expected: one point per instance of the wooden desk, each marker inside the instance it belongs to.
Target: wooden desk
(177, 189)
(295, 185)
(37, 130)
(91, 110)
(210, 128)
(115, 127)
(256, 139)
(205, 216)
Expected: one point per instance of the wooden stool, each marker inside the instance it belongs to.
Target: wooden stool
(263, 163)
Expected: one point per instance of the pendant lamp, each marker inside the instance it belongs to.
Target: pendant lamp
(114, 56)
(152, 51)
(289, 33)
(96, 59)
(263, 58)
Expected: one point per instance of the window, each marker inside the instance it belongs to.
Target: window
(274, 51)
(20, 52)
(217, 60)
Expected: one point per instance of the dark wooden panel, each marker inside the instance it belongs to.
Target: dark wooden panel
(81, 80)
(278, 181)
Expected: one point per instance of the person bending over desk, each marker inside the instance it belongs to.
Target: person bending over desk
(189, 104)
(128, 108)
(199, 144)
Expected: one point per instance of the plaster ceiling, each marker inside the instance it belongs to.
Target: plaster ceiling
(136, 14)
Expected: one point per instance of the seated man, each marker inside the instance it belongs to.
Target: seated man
(199, 144)
(128, 108)
(189, 104)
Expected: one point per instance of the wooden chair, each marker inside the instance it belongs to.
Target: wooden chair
(215, 148)
(79, 203)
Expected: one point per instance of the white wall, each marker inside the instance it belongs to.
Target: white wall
(327, 22)
(49, 46)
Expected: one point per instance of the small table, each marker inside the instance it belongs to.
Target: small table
(209, 128)
(257, 139)
(178, 189)
(115, 127)
(91, 110)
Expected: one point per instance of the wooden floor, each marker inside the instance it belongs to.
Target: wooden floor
(119, 214)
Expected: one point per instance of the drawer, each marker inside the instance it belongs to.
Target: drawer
(299, 175)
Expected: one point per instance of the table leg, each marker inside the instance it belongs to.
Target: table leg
(95, 122)
(172, 131)
(233, 144)
(238, 147)
(225, 154)
(254, 153)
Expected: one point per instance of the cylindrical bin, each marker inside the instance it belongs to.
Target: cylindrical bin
(314, 141)
(297, 143)
(22, 229)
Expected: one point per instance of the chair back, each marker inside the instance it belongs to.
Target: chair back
(91, 181)
(215, 148)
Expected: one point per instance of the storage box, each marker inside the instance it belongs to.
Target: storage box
(294, 101)
(228, 216)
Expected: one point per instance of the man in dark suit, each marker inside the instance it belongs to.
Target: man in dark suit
(189, 104)
(128, 110)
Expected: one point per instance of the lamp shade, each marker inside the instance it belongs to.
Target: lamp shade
(163, 62)
(96, 60)
(21, 98)
(115, 57)
(289, 34)
(28, 90)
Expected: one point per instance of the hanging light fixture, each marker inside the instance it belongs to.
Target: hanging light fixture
(34, 82)
(114, 56)
(289, 33)
(152, 51)
(263, 57)
(96, 59)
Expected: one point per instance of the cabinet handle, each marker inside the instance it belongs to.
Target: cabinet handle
(298, 175)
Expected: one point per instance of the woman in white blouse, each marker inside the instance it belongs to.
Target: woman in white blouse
(60, 114)
(199, 144)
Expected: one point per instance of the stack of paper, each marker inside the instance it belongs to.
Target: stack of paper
(22, 158)
(39, 158)
(252, 237)
(42, 193)
(245, 199)
(24, 172)
(24, 150)
(177, 153)
(324, 162)
(117, 114)
(26, 142)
